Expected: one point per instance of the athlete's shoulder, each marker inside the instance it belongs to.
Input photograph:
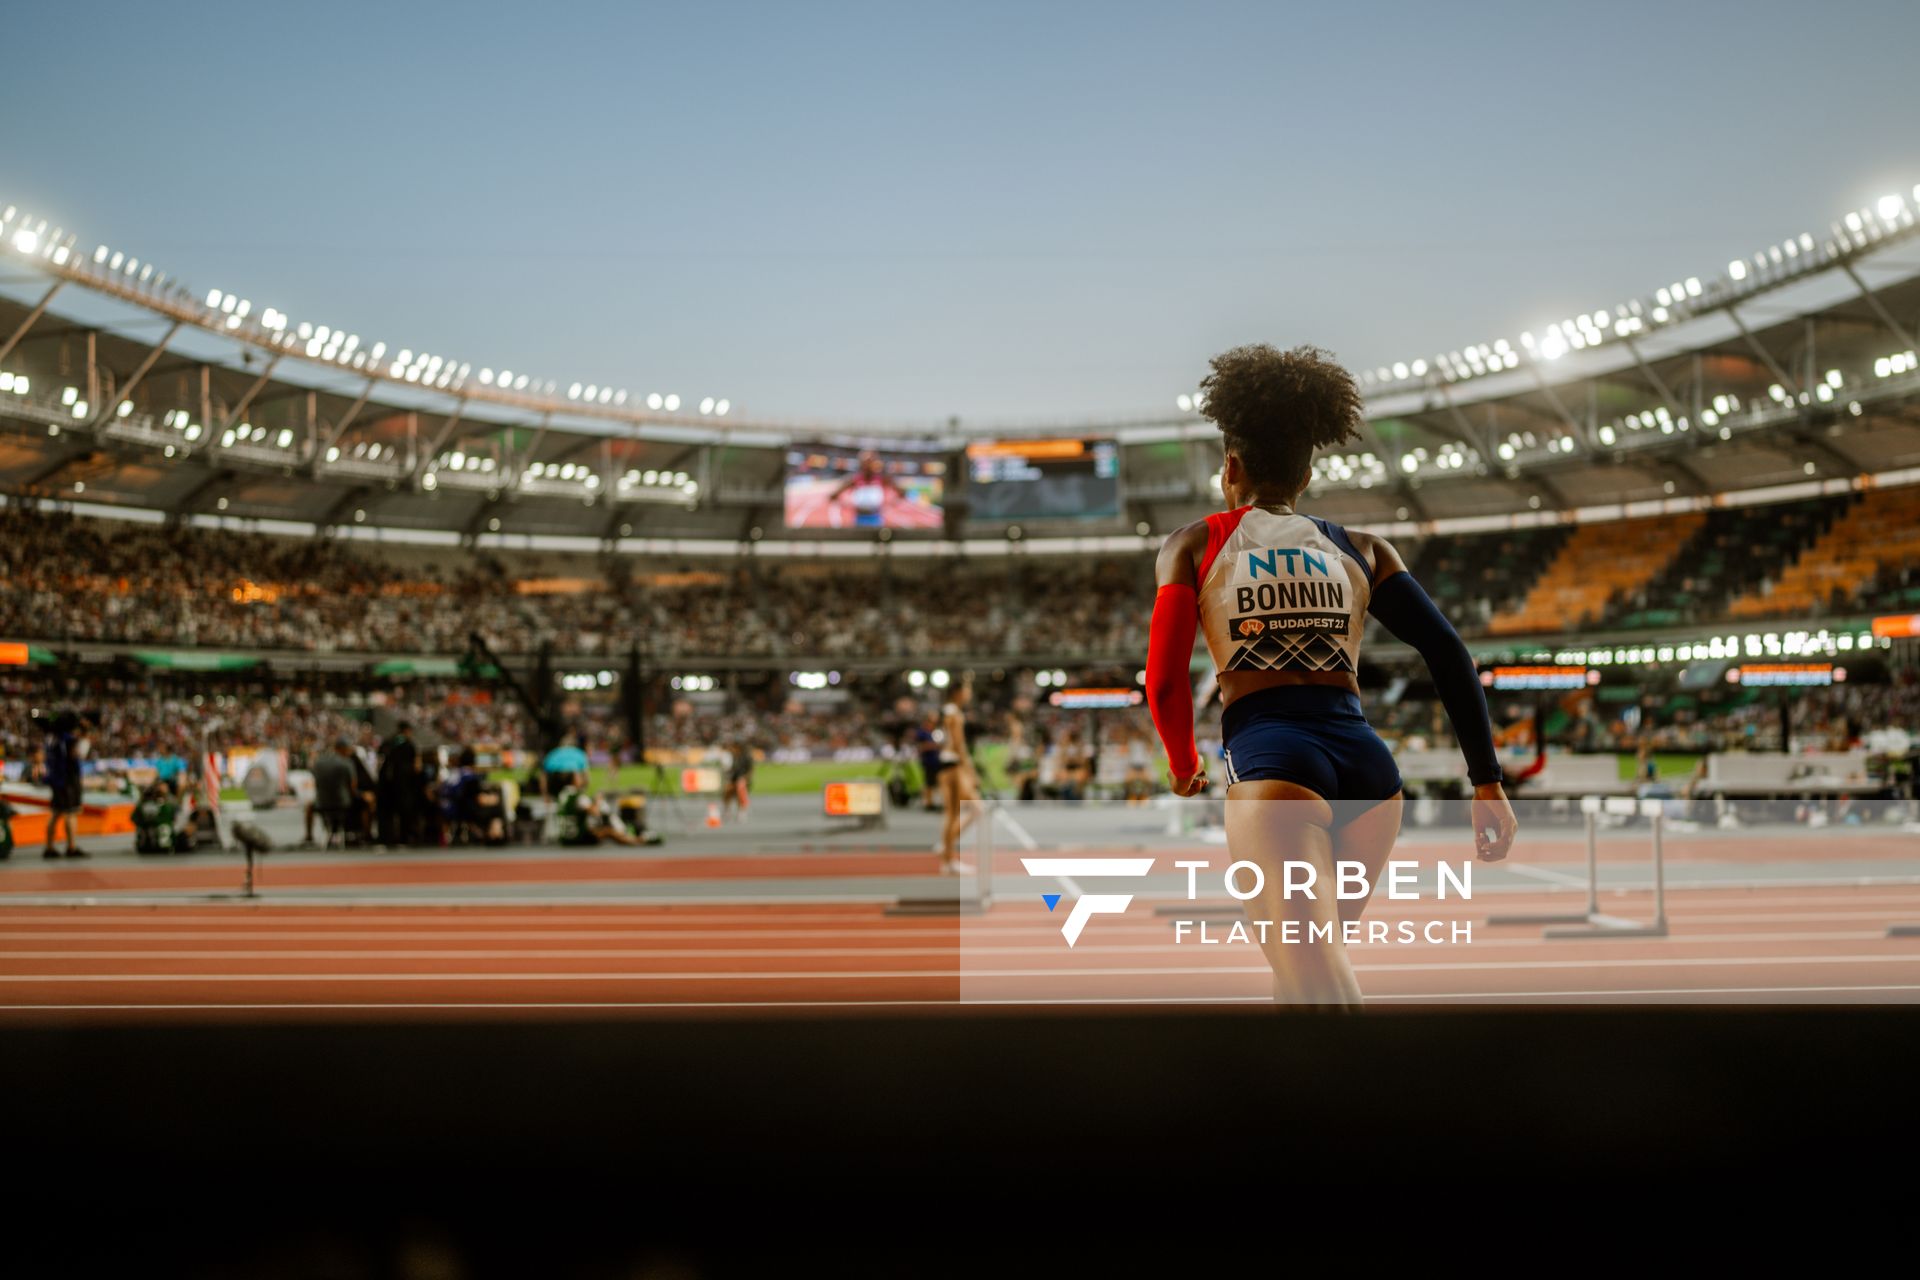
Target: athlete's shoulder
(1380, 556)
(1180, 551)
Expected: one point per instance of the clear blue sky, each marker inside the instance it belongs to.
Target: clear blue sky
(907, 211)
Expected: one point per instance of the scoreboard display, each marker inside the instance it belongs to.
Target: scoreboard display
(856, 799)
(1043, 479)
(1095, 699)
(1508, 679)
(1793, 675)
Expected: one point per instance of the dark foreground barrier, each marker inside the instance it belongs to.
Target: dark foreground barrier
(971, 1135)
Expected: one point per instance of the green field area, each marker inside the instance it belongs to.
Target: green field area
(801, 779)
(774, 779)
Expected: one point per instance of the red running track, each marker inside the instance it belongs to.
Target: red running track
(251, 961)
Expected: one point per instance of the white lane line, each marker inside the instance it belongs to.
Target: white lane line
(497, 1004)
(1049, 946)
(1541, 873)
(882, 975)
(1617, 992)
(1014, 829)
(1456, 997)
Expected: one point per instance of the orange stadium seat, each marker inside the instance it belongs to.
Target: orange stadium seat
(1598, 563)
(1881, 530)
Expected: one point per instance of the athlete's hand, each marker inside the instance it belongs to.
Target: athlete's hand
(1192, 786)
(1494, 825)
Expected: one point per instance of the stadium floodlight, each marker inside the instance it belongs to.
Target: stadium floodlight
(654, 400)
(1889, 207)
(672, 403)
(1184, 401)
(721, 408)
(706, 405)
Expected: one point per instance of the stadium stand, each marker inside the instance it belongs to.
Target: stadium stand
(1727, 557)
(1878, 534)
(1476, 576)
(1596, 565)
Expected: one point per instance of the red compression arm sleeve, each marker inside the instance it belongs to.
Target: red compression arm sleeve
(1169, 685)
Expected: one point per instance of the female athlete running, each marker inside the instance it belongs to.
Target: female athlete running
(1283, 599)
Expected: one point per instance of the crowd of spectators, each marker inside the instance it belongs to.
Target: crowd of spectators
(130, 722)
(80, 579)
(76, 578)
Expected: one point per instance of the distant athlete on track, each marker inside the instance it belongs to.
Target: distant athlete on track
(1283, 599)
(959, 781)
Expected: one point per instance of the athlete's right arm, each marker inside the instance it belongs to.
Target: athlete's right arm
(1406, 610)
(1176, 617)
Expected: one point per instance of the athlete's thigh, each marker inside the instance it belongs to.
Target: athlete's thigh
(1368, 838)
(1271, 823)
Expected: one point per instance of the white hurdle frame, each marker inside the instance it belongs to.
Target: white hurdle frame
(960, 903)
(1592, 922)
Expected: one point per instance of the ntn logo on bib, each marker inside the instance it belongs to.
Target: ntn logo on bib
(1291, 609)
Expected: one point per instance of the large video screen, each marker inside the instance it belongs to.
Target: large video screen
(833, 486)
(1043, 479)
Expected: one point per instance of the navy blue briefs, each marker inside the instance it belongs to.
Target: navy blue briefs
(1314, 736)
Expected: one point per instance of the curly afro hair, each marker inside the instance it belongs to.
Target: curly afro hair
(1274, 408)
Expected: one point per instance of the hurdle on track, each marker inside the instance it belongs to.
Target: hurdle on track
(962, 902)
(1592, 922)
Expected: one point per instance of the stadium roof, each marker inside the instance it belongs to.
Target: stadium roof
(1793, 367)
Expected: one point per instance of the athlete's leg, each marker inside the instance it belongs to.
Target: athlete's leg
(1367, 838)
(1271, 823)
(962, 803)
(951, 805)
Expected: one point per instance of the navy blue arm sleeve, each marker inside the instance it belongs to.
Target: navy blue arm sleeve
(1406, 610)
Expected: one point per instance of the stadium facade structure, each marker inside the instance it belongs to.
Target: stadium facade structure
(1788, 374)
